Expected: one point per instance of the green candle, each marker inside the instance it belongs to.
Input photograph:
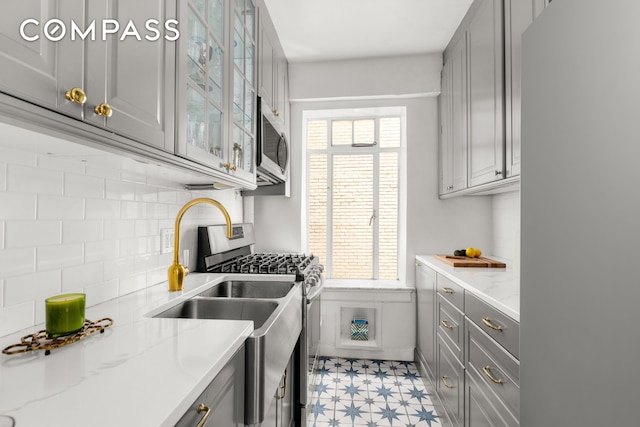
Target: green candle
(64, 314)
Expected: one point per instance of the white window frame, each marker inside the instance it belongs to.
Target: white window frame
(359, 114)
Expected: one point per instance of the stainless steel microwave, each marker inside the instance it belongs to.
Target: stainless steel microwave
(272, 158)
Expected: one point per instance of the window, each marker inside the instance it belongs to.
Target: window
(353, 194)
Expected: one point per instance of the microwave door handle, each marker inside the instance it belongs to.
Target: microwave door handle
(280, 141)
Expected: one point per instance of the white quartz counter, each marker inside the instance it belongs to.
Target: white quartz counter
(140, 372)
(499, 287)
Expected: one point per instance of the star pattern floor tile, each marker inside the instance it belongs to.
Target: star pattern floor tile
(371, 393)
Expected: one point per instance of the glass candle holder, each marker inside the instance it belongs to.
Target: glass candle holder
(64, 314)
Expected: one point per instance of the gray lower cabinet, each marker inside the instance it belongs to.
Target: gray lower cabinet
(492, 382)
(426, 317)
(475, 365)
(123, 85)
(222, 402)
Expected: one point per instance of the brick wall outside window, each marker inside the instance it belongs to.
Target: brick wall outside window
(341, 183)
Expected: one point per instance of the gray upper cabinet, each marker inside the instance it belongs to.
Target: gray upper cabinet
(133, 78)
(454, 116)
(216, 108)
(38, 70)
(519, 15)
(274, 78)
(130, 80)
(486, 136)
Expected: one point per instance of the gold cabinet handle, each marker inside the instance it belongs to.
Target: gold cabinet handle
(276, 113)
(487, 372)
(448, 290)
(487, 322)
(229, 166)
(103, 110)
(284, 386)
(446, 324)
(207, 411)
(76, 95)
(444, 381)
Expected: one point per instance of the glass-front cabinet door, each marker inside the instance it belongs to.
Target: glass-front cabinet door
(216, 119)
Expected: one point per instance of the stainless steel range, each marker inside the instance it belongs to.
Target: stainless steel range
(217, 254)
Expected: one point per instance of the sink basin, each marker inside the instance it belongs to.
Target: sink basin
(249, 289)
(276, 311)
(209, 308)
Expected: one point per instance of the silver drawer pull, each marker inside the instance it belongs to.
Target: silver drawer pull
(444, 381)
(448, 290)
(487, 372)
(487, 322)
(203, 408)
(446, 324)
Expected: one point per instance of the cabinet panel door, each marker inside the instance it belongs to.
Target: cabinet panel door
(486, 139)
(132, 75)
(33, 70)
(480, 411)
(518, 16)
(446, 145)
(425, 288)
(459, 113)
(267, 59)
(450, 382)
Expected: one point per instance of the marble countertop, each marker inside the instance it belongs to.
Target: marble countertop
(141, 371)
(499, 287)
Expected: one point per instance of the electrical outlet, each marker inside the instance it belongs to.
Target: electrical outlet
(166, 239)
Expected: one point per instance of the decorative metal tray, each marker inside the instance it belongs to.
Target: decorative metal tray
(40, 341)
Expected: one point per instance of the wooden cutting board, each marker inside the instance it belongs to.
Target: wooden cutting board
(463, 261)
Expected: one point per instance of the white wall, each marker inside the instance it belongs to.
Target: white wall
(506, 226)
(80, 220)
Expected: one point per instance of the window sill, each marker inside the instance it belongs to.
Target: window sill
(351, 284)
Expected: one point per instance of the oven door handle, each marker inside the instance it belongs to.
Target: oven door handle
(314, 293)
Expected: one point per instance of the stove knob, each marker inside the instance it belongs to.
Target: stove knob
(312, 281)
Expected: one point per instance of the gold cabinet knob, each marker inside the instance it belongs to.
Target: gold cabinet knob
(229, 166)
(76, 95)
(276, 113)
(103, 110)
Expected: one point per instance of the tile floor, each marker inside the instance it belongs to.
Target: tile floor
(373, 393)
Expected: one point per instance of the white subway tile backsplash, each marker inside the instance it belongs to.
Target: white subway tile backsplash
(102, 209)
(101, 250)
(59, 207)
(132, 283)
(63, 164)
(81, 231)
(19, 157)
(101, 293)
(3, 176)
(118, 268)
(120, 190)
(17, 317)
(31, 180)
(21, 234)
(145, 227)
(121, 229)
(20, 289)
(83, 186)
(82, 275)
(80, 221)
(16, 262)
(17, 206)
(133, 210)
(55, 257)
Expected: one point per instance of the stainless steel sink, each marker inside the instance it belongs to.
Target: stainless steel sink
(248, 289)
(276, 310)
(210, 308)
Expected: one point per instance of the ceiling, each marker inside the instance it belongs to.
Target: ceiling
(321, 30)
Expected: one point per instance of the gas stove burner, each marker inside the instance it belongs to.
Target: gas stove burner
(268, 263)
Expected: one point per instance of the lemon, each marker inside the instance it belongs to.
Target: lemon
(471, 252)
(478, 253)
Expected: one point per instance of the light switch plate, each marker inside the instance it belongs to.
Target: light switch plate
(166, 239)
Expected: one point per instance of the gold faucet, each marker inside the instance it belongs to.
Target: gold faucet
(176, 271)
